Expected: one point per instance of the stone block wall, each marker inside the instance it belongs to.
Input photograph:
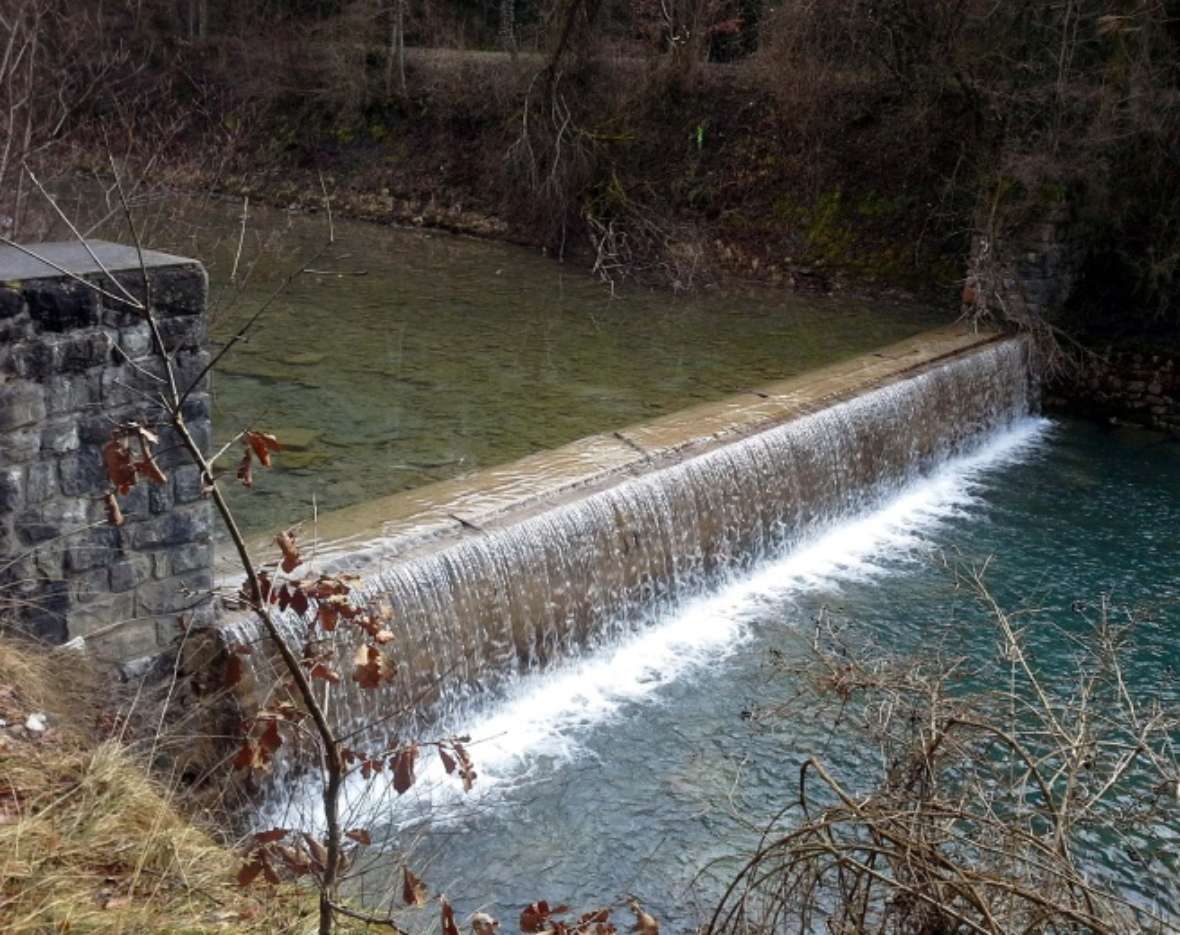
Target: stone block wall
(1123, 386)
(74, 363)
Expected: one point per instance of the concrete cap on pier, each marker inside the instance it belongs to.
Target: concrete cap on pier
(46, 260)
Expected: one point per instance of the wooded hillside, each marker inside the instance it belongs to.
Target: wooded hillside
(661, 141)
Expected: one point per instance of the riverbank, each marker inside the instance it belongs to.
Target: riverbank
(94, 839)
(1122, 386)
(881, 149)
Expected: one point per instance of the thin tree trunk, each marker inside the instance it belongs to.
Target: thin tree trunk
(390, 50)
(395, 48)
(401, 44)
(332, 762)
(328, 885)
(27, 142)
(508, 27)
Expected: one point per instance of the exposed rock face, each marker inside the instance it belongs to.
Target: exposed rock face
(75, 362)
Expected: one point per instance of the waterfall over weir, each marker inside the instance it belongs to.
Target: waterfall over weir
(475, 606)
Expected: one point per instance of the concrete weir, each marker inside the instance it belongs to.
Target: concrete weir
(508, 568)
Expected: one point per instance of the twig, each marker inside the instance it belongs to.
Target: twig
(328, 209)
(233, 275)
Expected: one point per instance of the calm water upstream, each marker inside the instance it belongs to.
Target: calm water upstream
(409, 357)
(628, 770)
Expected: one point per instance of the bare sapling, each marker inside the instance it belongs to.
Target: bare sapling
(286, 596)
(321, 602)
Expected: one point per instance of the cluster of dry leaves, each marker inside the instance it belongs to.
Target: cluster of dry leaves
(257, 445)
(542, 919)
(127, 457)
(287, 854)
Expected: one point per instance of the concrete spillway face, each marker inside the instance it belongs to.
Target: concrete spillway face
(481, 608)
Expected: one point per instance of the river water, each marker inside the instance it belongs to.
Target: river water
(406, 356)
(632, 769)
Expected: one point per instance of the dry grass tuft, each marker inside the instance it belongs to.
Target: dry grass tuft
(88, 840)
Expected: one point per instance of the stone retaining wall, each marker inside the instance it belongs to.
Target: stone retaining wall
(1136, 388)
(73, 364)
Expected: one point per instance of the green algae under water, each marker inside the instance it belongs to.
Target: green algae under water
(408, 357)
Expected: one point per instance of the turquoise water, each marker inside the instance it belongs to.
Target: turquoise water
(630, 770)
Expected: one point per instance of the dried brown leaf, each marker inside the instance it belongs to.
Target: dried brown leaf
(299, 602)
(249, 872)
(262, 445)
(323, 671)
(147, 467)
(466, 767)
(403, 768)
(291, 557)
(114, 513)
(413, 889)
(271, 739)
(234, 670)
(246, 469)
(248, 756)
(295, 861)
(328, 616)
(535, 917)
(448, 918)
(645, 923)
(269, 872)
(116, 459)
(317, 851)
(368, 666)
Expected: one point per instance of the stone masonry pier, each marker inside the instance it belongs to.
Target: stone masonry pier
(74, 363)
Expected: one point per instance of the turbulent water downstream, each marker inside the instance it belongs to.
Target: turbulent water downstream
(629, 768)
